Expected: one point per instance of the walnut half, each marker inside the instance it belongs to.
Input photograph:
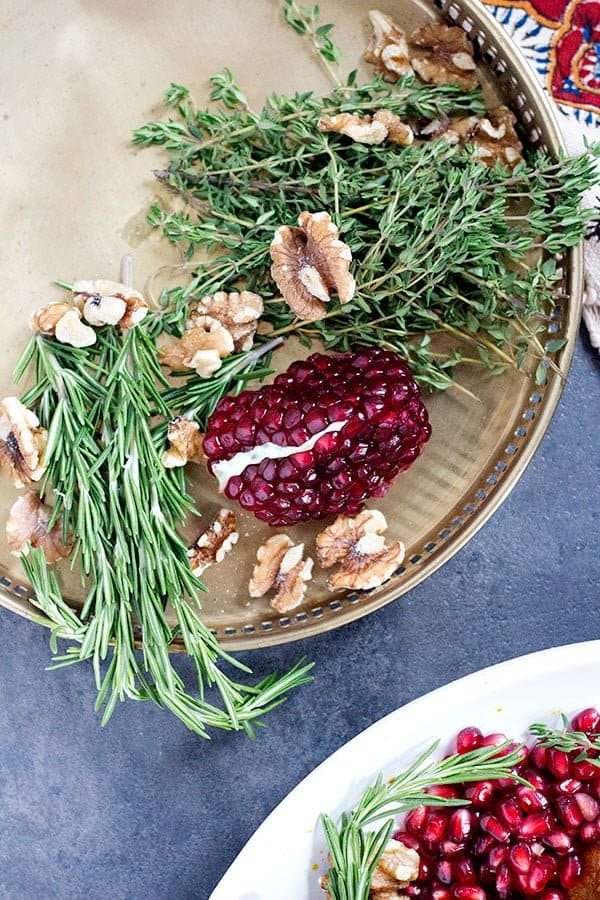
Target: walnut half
(310, 263)
(215, 543)
(27, 527)
(384, 125)
(238, 312)
(185, 443)
(397, 868)
(357, 543)
(450, 59)
(22, 442)
(201, 348)
(280, 564)
(387, 50)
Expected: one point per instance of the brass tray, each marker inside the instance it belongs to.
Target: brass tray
(77, 195)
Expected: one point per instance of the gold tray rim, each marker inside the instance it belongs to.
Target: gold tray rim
(15, 597)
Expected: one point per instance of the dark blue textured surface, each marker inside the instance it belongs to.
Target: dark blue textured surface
(144, 810)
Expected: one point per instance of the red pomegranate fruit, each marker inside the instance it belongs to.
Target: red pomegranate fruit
(332, 431)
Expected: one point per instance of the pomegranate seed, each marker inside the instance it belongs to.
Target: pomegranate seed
(441, 893)
(530, 800)
(520, 857)
(442, 790)
(539, 757)
(425, 868)
(416, 819)
(503, 882)
(542, 871)
(569, 870)
(510, 813)
(495, 827)
(480, 794)
(497, 856)
(468, 739)
(553, 894)
(493, 740)
(590, 832)
(588, 720)
(569, 786)
(444, 871)
(569, 812)
(536, 825)
(409, 840)
(449, 849)
(434, 828)
(590, 809)
(468, 892)
(483, 845)
(559, 841)
(559, 763)
(585, 770)
(460, 825)
(463, 871)
(535, 779)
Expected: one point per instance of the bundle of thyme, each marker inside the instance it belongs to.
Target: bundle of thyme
(123, 508)
(442, 244)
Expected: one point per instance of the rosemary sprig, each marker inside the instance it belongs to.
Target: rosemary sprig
(355, 849)
(442, 244)
(124, 510)
(568, 741)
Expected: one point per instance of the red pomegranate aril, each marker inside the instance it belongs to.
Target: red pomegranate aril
(409, 840)
(443, 790)
(553, 894)
(495, 828)
(493, 740)
(483, 845)
(426, 867)
(481, 794)
(535, 779)
(468, 892)
(520, 857)
(468, 739)
(569, 786)
(568, 812)
(441, 893)
(530, 800)
(588, 720)
(510, 813)
(434, 829)
(503, 882)
(449, 849)
(536, 825)
(460, 825)
(585, 770)
(463, 871)
(559, 841)
(416, 819)
(589, 833)
(542, 871)
(569, 870)
(590, 809)
(539, 757)
(444, 871)
(559, 763)
(497, 855)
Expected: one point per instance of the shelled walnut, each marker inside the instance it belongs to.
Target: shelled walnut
(214, 544)
(27, 527)
(310, 263)
(397, 868)
(387, 50)
(358, 545)
(201, 348)
(280, 565)
(450, 57)
(493, 136)
(107, 302)
(22, 442)
(185, 443)
(384, 125)
(237, 311)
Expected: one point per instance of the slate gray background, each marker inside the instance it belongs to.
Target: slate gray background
(144, 810)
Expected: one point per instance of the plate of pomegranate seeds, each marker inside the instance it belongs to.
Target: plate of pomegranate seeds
(485, 789)
(349, 376)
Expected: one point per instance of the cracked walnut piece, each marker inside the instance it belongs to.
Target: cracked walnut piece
(310, 263)
(238, 312)
(451, 56)
(387, 50)
(27, 527)
(63, 321)
(215, 543)
(384, 125)
(22, 442)
(397, 868)
(185, 443)
(46, 318)
(109, 303)
(280, 565)
(493, 136)
(357, 543)
(201, 348)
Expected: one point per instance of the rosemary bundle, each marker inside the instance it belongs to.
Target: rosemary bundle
(442, 244)
(123, 508)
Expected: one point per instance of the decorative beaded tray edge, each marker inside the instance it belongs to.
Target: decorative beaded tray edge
(536, 115)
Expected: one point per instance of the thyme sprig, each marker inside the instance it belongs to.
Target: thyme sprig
(444, 247)
(124, 510)
(355, 848)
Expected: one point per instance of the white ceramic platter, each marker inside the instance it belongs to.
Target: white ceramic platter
(285, 856)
